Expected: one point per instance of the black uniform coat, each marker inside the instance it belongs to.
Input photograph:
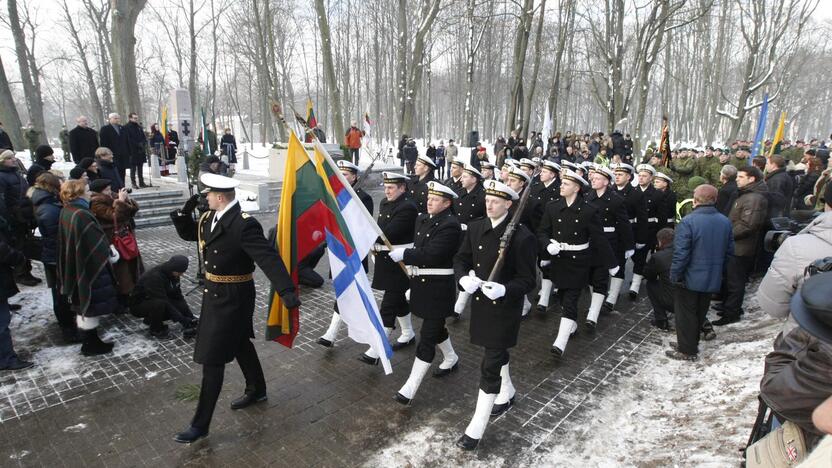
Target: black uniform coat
(530, 217)
(232, 248)
(396, 219)
(453, 184)
(117, 142)
(632, 199)
(419, 192)
(543, 194)
(83, 141)
(137, 142)
(470, 205)
(576, 224)
(667, 208)
(495, 324)
(434, 245)
(614, 218)
(647, 226)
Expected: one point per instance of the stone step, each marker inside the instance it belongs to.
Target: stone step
(148, 204)
(151, 221)
(145, 194)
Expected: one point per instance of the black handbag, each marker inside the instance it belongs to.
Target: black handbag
(33, 248)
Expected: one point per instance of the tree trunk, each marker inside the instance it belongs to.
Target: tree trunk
(414, 78)
(8, 112)
(329, 73)
(527, 112)
(566, 15)
(125, 81)
(91, 87)
(29, 75)
(521, 44)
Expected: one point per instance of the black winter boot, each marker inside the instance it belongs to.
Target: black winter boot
(93, 346)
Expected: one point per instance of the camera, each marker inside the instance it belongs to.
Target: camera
(129, 190)
(786, 227)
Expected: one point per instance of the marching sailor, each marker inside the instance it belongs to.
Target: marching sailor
(496, 308)
(646, 227)
(231, 242)
(572, 236)
(632, 199)
(452, 181)
(432, 285)
(350, 172)
(470, 204)
(616, 223)
(548, 190)
(396, 215)
(423, 169)
(667, 200)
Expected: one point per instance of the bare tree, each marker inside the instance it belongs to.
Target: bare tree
(8, 111)
(82, 56)
(764, 40)
(123, 39)
(430, 8)
(521, 44)
(329, 70)
(29, 72)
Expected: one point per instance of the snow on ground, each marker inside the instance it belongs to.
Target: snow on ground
(674, 413)
(32, 329)
(670, 413)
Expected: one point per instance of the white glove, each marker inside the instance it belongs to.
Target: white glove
(640, 246)
(628, 254)
(470, 283)
(613, 271)
(407, 295)
(114, 255)
(397, 254)
(493, 290)
(553, 248)
(463, 226)
(545, 263)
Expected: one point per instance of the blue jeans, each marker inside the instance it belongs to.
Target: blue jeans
(7, 355)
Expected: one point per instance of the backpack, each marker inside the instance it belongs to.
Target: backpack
(783, 447)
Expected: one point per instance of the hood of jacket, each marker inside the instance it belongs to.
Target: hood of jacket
(821, 227)
(41, 196)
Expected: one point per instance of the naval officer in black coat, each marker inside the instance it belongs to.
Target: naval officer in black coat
(432, 285)
(497, 306)
(231, 242)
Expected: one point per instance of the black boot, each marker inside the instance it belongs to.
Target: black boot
(71, 335)
(93, 346)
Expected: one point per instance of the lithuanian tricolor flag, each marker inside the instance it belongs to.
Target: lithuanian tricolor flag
(307, 209)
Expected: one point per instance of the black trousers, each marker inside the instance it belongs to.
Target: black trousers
(739, 268)
(492, 361)
(137, 170)
(60, 304)
(212, 377)
(661, 302)
(639, 259)
(569, 302)
(155, 312)
(393, 304)
(432, 333)
(691, 309)
(599, 279)
(122, 171)
(354, 155)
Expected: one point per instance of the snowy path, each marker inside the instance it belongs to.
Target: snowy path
(666, 413)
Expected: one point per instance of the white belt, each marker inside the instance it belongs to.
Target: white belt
(564, 247)
(416, 271)
(463, 226)
(652, 220)
(383, 248)
(671, 220)
(609, 229)
(633, 220)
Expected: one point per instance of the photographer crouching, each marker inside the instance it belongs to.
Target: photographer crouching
(158, 298)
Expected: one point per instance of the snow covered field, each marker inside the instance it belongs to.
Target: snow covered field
(669, 413)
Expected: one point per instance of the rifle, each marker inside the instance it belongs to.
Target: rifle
(507, 235)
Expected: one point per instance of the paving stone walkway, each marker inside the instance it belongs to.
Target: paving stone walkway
(325, 408)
